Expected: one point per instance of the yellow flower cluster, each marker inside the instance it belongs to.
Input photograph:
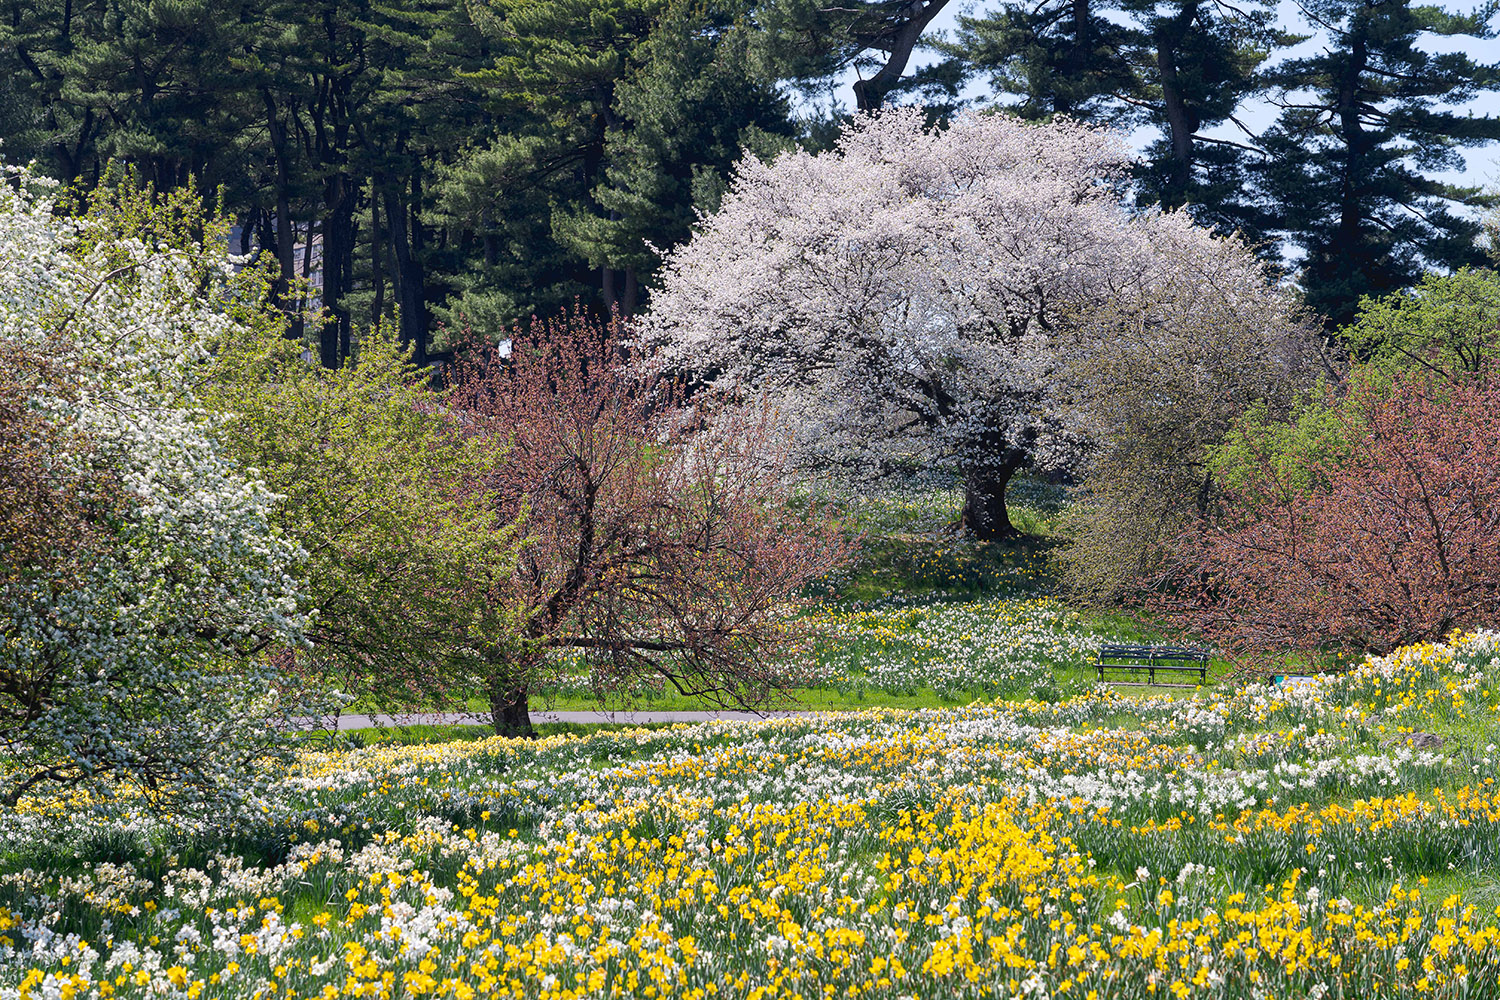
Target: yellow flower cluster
(1255, 843)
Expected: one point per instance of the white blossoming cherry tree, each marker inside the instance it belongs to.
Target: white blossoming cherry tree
(127, 660)
(921, 294)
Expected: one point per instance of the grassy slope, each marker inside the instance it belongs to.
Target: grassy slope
(909, 556)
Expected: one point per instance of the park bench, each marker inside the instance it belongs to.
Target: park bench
(1150, 659)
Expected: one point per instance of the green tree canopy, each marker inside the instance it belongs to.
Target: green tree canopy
(383, 489)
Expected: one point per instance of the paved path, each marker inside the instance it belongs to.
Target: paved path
(480, 719)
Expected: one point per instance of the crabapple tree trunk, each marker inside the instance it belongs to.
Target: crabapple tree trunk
(509, 708)
(511, 673)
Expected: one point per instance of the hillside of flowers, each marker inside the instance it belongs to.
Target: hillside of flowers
(944, 617)
(1337, 837)
(996, 646)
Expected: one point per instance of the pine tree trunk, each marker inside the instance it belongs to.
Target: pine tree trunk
(410, 280)
(286, 234)
(630, 300)
(346, 282)
(377, 255)
(607, 287)
(337, 233)
(1181, 125)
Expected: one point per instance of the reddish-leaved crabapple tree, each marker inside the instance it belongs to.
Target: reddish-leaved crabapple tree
(1390, 537)
(658, 542)
(920, 293)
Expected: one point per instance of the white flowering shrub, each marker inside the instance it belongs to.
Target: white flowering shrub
(136, 662)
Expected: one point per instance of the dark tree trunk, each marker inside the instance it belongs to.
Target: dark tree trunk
(509, 711)
(630, 299)
(346, 282)
(286, 237)
(984, 514)
(1077, 55)
(620, 290)
(377, 256)
(332, 253)
(607, 288)
(411, 291)
(306, 235)
(1205, 494)
(286, 254)
(1181, 126)
(336, 252)
(1356, 145)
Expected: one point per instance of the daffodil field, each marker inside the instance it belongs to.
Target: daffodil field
(989, 647)
(1294, 841)
(997, 646)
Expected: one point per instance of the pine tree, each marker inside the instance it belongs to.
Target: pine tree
(550, 94)
(609, 118)
(683, 116)
(1365, 123)
(422, 111)
(155, 84)
(1182, 68)
(1199, 62)
(36, 39)
(815, 43)
(1062, 57)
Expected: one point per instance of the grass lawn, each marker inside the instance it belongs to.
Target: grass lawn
(924, 620)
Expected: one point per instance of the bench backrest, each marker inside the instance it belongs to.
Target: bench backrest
(1150, 653)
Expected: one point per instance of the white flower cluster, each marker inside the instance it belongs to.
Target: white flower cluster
(130, 671)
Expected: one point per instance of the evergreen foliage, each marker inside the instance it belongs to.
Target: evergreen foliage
(438, 164)
(617, 119)
(1365, 123)
(1181, 68)
(814, 44)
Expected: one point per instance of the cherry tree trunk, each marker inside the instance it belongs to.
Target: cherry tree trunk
(984, 514)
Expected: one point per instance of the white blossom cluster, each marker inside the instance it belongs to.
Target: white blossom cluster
(917, 293)
(132, 670)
